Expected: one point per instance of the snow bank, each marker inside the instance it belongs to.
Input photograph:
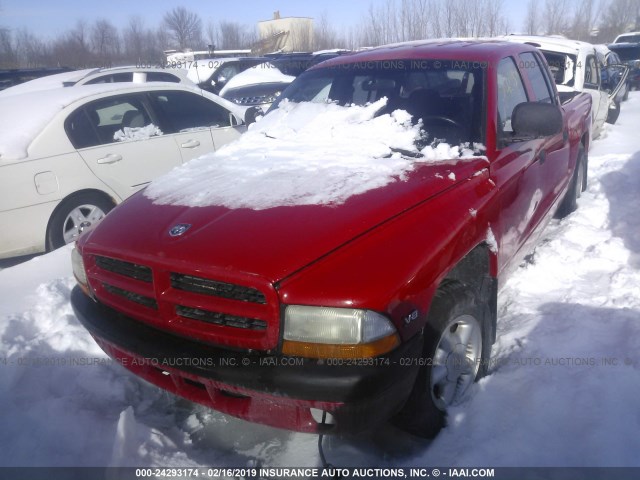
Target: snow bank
(303, 154)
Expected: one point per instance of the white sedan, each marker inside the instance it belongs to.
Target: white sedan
(69, 155)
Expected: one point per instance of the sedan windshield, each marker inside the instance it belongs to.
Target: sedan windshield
(446, 96)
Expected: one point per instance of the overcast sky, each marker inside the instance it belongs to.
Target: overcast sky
(47, 19)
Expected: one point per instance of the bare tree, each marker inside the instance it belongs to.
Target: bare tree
(325, 36)
(31, 51)
(620, 16)
(532, 18)
(184, 27)
(72, 48)
(8, 56)
(556, 15)
(233, 35)
(105, 42)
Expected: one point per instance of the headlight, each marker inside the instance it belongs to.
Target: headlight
(323, 332)
(79, 272)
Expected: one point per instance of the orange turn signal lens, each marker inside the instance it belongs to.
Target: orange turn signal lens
(326, 350)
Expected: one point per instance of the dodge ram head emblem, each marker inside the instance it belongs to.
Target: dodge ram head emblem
(179, 229)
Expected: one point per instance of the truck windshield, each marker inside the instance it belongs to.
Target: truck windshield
(446, 96)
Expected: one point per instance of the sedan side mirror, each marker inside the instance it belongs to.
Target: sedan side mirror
(534, 120)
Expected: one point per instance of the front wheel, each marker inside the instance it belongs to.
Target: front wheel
(455, 354)
(576, 187)
(73, 216)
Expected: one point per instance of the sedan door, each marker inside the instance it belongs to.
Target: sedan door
(119, 141)
(198, 124)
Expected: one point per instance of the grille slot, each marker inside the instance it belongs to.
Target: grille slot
(131, 296)
(127, 269)
(222, 319)
(206, 286)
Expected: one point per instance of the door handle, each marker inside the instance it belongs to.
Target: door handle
(110, 158)
(190, 144)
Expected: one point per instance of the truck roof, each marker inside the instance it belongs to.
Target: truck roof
(483, 50)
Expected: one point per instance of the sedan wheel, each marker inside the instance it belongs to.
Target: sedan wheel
(79, 219)
(73, 216)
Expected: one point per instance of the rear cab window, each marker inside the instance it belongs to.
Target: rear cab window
(540, 82)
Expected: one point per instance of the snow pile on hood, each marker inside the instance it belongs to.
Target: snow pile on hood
(137, 133)
(303, 154)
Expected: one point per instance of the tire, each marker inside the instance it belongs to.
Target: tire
(578, 185)
(74, 215)
(456, 352)
(613, 113)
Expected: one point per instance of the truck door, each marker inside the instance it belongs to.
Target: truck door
(553, 158)
(517, 168)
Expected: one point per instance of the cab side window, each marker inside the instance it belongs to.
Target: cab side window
(511, 92)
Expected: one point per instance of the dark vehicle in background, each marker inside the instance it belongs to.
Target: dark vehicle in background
(629, 53)
(264, 91)
(212, 74)
(9, 78)
(629, 37)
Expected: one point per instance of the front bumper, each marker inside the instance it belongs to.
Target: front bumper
(272, 390)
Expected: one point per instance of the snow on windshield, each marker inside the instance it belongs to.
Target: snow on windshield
(303, 154)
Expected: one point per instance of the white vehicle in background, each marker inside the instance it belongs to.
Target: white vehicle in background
(93, 76)
(69, 155)
(629, 37)
(576, 68)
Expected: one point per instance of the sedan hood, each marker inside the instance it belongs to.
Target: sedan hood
(271, 244)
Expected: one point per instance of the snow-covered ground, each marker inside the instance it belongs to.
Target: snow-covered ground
(562, 391)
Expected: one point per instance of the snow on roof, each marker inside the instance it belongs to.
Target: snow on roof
(47, 83)
(302, 154)
(24, 116)
(263, 73)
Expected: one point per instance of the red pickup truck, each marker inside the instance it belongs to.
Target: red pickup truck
(325, 317)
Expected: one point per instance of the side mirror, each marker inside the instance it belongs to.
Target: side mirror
(535, 120)
(251, 114)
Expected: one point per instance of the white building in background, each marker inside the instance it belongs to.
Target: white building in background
(289, 34)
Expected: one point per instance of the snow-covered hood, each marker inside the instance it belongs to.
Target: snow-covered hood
(271, 243)
(304, 181)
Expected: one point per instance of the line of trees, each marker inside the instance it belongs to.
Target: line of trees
(103, 44)
(595, 21)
